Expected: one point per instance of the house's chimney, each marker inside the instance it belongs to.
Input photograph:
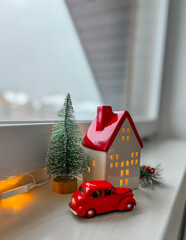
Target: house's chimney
(104, 114)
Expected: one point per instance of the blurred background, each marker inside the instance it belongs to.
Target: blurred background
(101, 52)
(129, 54)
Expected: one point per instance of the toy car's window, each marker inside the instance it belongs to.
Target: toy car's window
(107, 191)
(82, 190)
(113, 191)
(96, 194)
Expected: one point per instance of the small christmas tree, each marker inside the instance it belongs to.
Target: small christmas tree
(66, 157)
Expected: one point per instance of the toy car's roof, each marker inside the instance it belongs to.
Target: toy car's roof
(96, 184)
(102, 140)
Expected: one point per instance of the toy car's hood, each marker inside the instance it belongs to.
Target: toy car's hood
(76, 199)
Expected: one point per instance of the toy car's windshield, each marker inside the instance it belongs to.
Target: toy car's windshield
(81, 190)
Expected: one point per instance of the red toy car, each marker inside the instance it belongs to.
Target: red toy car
(94, 197)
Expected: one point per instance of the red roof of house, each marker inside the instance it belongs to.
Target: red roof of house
(105, 127)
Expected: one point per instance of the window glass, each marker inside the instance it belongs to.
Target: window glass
(41, 61)
(96, 194)
(108, 192)
(81, 190)
(113, 191)
(98, 51)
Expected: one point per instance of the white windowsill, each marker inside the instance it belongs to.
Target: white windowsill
(157, 215)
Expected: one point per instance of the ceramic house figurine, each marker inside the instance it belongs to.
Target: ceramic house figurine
(113, 146)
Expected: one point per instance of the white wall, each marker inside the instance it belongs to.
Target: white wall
(173, 104)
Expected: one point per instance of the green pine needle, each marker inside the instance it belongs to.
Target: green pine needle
(66, 156)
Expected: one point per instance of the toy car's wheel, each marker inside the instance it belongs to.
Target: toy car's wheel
(129, 206)
(90, 213)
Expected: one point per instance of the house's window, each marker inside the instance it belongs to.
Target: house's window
(93, 162)
(123, 138)
(117, 156)
(128, 138)
(136, 161)
(116, 164)
(128, 130)
(136, 154)
(111, 156)
(122, 173)
(121, 182)
(88, 169)
(132, 154)
(123, 130)
(96, 194)
(127, 172)
(126, 181)
(132, 162)
(127, 163)
(111, 165)
(122, 164)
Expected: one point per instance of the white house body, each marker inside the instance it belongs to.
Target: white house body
(114, 149)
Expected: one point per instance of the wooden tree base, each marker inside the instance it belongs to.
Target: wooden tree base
(62, 185)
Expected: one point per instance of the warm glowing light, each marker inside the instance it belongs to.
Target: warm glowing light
(127, 163)
(121, 182)
(122, 173)
(127, 172)
(123, 130)
(111, 157)
(136, 161)
(136, 154)
(116, 164)
(8, 184)
(93, 162)
(126, 181)
(132, 162)
(132, 154)
(88, 169)
(128, 130)
(122, 164)
(111, 165)
(123, 138)
(128, 138)
(117, 156)
(17, 202)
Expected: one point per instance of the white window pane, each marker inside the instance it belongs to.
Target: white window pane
(41, 61)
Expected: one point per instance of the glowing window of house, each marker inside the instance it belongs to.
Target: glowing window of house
(116, 164)
(123, 130)
(122, 164)
(88, 169)
(117, 156)
(121, 182)
(127, 163)
(93, 162)
(128, 130)
(128, 138)
(123, 138)
(127, 172)
(136, 161)
(111, 156)
(111, 165)
(132, 154)
(122, 173)
(126, 181)
(132, 162)
(136, 154)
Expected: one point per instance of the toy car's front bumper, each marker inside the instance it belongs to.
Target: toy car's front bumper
(74, 212)
(78, 212)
